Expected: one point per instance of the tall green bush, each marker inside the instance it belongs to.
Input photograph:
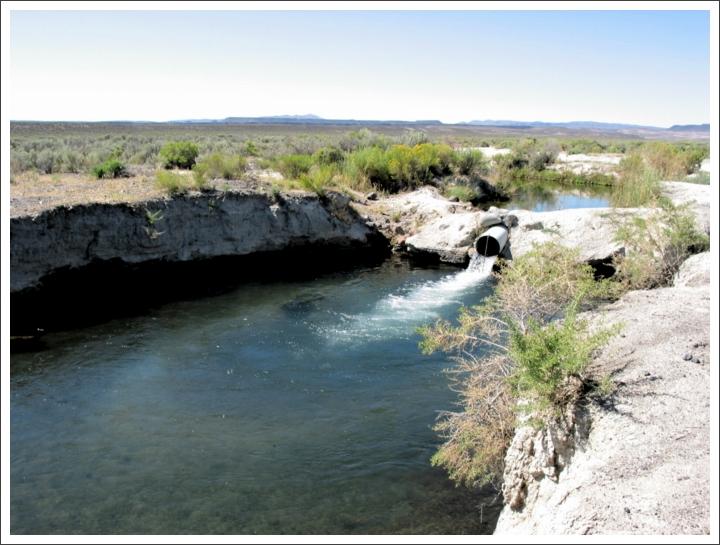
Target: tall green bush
(179, 154)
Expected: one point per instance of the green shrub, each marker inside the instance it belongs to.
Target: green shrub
(582, 146)
(642, 170)
(508, 163)
(112, 168)
(512, 348)
(251, 148)
(175, 183)
(47, 161)
(518, 177)
(329, 156)
(369, 165)
(462, 192)
(363, 138)
(294, 166)
(548, 357)
(638, 183)
(477, 437)
(217, 165)
(434, 160)
(656, 246)
(400, 166)
(470, 163)
(71, 162)
(318, 179)
(672, 161)
(179, 154)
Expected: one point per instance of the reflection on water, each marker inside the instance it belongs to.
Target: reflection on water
(300, 407)
(554, 197)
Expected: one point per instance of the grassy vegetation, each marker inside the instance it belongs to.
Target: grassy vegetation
(701, 178)
(390, 169)
(656, 246)
(176, 183)
(218, 165)
(463, 193)
(641, 172)
(386, 158)
(512, 348)
(294, 166)
(636, 181)
(471, 163)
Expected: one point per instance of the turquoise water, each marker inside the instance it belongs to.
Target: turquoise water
(285, 407)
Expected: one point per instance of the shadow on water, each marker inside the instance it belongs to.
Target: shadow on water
(105, 290)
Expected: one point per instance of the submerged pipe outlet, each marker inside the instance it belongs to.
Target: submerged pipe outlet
(492, 241)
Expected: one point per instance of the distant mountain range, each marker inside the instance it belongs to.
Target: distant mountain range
(498, 123)
(693, 131)
(705, 127)
(592, 125)
(307, 119)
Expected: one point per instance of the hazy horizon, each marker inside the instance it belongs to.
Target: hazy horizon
(357, 119)
(628, 67)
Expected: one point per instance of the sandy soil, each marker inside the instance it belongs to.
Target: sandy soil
(491, 152)
(32, 193)
(581, 163)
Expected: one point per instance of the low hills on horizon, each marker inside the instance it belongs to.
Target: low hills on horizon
(567, 129)
(509, 124)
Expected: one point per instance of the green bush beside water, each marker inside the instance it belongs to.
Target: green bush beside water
(514, 348)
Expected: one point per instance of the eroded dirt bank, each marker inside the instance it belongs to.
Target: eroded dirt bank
(83, 259)
(180, 229)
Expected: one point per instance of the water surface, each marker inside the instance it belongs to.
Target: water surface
(285, 407)
(549, 198)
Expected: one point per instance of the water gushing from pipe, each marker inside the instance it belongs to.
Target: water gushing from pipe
(399, 314)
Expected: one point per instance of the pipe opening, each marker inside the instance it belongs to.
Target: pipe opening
(487, 246)
(492, 241)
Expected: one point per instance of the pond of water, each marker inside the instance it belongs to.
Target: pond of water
(284, 407)
(557, 198)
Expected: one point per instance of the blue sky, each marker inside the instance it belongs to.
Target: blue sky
(635, 67)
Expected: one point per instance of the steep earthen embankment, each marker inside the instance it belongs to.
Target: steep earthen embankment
(73, 266)
(186, 228)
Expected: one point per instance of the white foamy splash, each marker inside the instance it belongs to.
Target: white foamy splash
(397, 315)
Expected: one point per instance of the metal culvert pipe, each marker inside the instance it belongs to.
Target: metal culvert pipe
(492, 241)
